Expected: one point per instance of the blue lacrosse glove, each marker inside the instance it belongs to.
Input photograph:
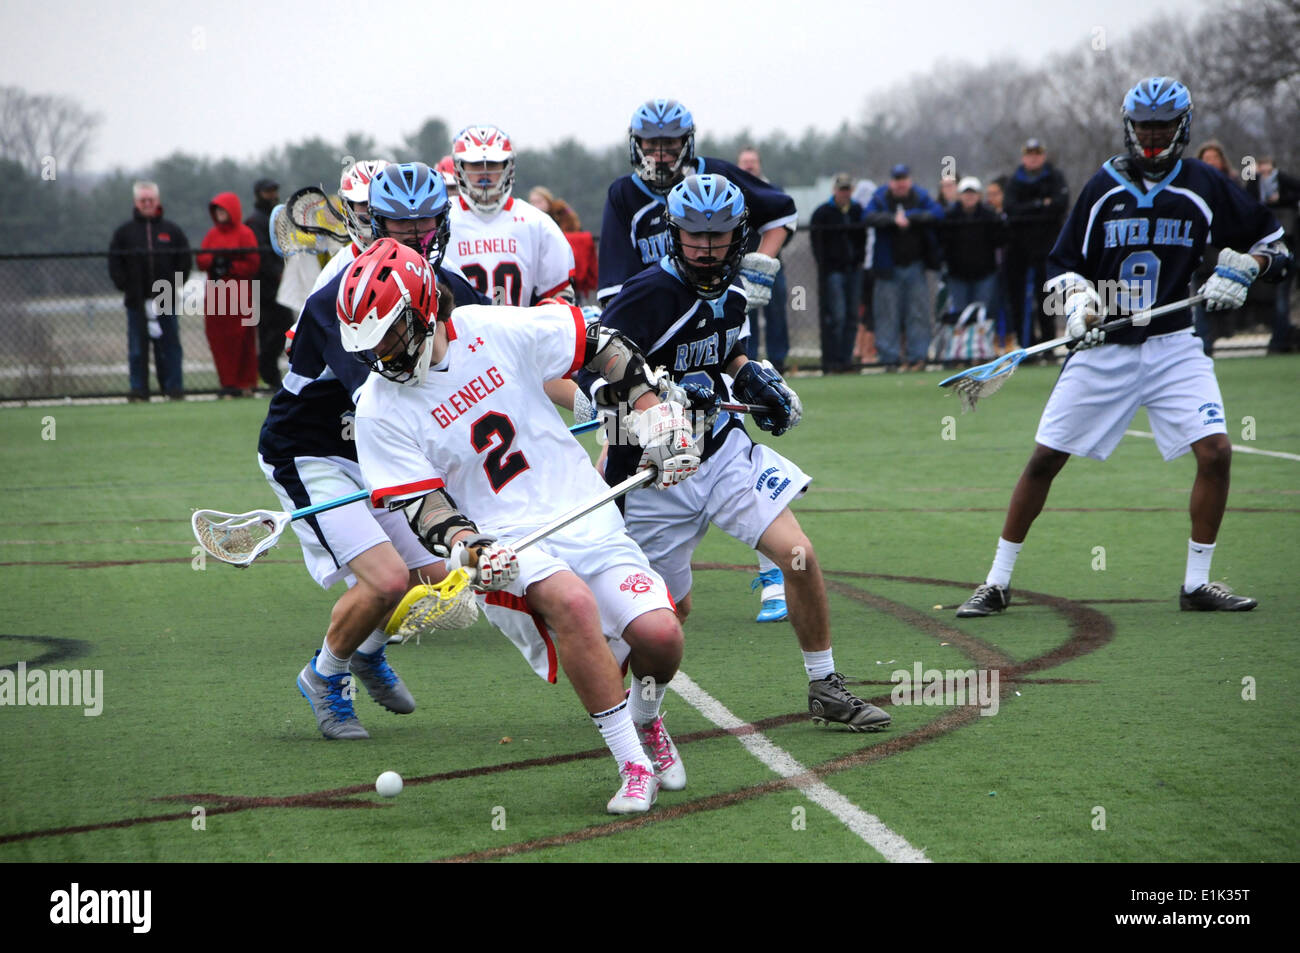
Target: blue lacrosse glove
(700, 399)
(759, 383)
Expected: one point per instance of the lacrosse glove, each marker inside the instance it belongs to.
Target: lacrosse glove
(757, 274)
(1232, 278)
(759, 383)
(1082, 317)
(669, 446)
(492, 565)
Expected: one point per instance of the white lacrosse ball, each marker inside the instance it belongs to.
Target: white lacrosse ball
(389, 784)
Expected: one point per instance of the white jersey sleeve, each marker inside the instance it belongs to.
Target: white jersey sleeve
(555, 263)
(393, 462)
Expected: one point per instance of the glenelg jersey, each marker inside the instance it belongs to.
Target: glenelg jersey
(634, 233)
(1141, 242)
(311, 414)
(516, 257)
(674, 328)
(480, 426)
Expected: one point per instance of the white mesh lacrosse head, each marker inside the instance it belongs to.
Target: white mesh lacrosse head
(290, 240)
(238, 538)
(983, 380)
(446, 605)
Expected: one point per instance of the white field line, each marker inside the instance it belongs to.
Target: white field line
(867, 826)
(1236, 447)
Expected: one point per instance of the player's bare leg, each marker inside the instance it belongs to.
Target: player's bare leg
(655, 639)
(785, 543)
(382, 580)
(1208, 502)
(569, 610)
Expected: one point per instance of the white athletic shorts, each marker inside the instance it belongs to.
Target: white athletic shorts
(741, 489)
(597, 550)
(332, 539)
(1100, 390)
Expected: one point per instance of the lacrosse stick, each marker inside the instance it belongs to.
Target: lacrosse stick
(312, 211)
(239, 538)
(985, 379)
(288, 240)
(450, 604)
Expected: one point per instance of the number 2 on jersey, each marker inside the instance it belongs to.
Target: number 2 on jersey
(499, 466)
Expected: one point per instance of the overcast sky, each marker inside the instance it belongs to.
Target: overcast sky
(234, 79)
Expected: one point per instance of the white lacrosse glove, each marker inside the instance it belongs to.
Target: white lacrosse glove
(1232, 278)
(492, 565)
(668, 442)
(1083, 309)
(757, 273)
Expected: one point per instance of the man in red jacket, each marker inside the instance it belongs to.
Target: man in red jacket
(230, 295)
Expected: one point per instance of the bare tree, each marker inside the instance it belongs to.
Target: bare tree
(34, 128)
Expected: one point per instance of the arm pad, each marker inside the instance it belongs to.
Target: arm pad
(435, 519)
(618, 361)
(1279, 264)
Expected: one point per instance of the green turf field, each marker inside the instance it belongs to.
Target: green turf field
(1113, 705)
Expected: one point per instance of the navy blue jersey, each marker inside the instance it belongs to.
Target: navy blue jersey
(634, 233)
(675, 329)
(311, 414)
(1140, 244)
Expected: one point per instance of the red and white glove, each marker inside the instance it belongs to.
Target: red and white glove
(666, 436)
(492, 565)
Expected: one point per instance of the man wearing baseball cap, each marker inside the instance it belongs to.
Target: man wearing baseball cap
(971, 234)
(1037, 200)
(839, 242)
(273, 319)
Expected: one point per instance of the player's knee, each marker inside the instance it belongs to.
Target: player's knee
(388, 586)
(1045, 463)
(575, 608)
(656, 636)
(683, 607)
(1214, 454)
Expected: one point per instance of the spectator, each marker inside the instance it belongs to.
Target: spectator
(541, 198)
(838, 236)
(1280, 193)
(149, 260)
(864, 347)
(947, 190)
(993, 196)
(904, 217)
(971, 235)
(273, 319)
(228, 297)
(1037, 200)
(584, 250)
(776, 334)
(1209, 327)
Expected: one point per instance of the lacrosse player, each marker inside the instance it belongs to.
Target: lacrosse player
(634, 235)
(686, 314)
(307, 451)
(453, 429)
(1132, 242)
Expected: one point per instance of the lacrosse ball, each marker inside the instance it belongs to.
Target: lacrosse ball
(389, 784)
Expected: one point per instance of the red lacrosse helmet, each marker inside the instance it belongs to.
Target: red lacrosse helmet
(389, 282)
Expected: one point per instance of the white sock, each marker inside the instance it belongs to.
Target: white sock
(620, 736)
(377, 640)
(1198, 564)
(819, 664)
(645, 710)
(770, 592)
(1003, 562)
(327, 663)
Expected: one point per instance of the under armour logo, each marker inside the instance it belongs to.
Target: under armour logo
(478, 342)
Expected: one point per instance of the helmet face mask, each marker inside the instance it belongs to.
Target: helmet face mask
(1157, 116)
(484, 161)
(413, 194)
(387, 309)
(354, 190)
(661, 143)
(707, 233)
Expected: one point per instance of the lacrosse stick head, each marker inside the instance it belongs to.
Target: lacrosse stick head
(238, 538)
(981, 381)
(442, 606)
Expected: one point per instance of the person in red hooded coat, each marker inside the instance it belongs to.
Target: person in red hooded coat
(230, 299)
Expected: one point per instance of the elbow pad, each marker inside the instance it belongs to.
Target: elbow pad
(1279, 264)
(435, 519)
(617, 361)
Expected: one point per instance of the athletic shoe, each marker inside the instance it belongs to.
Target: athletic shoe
(384, 685)
(988, 599)
(772, 610)
(829, 701)
(638, 793)
(1213, 597)
(331, 702)
(656, 743)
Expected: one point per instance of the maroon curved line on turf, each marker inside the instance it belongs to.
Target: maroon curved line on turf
(1089, 631)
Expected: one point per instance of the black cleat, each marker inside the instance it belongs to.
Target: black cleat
(1213, 597)
(986, 600)
(829, 701)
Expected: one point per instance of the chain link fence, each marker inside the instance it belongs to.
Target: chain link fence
(64, 325)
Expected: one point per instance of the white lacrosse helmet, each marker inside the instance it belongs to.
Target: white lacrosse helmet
(354, 186)
(477, 144)
(386, 282)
